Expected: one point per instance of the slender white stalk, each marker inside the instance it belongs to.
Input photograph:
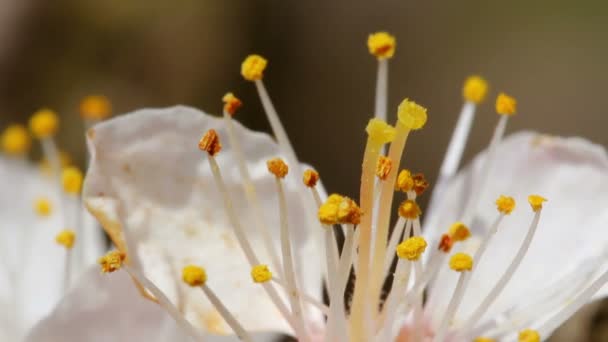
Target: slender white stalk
(380, 104)
(418, 323)
(331, 249)
(400, 281)
(507, 275)
(459, 139)
(51, 153)
(251, 195)
(452, 306)
(306, 297)
(67, 271)
(238, 329)
(393, 242)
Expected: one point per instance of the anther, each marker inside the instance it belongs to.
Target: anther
(420, 183)
(505, 204)
(381, 44)
(528, 335)
(384, 167)
(459, 231)
(409, 209)
(411, 115)
(475, 89)
(210, 143)
(404, 182)
(412, 248)
(194, 275)
(349, 212)
(71, 178)
(43, 206)
(261, 274)
(505, 104)
(231, 103)
(310, 178)
(446, 243)
(16, 140)
(277, 167)
(112, 261)
(44, 123)
(461, 262)
(95, 107)
(252, 68)
(536, 202)
(328, 211)
(66, 238)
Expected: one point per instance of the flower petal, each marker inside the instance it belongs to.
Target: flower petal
(146, 167)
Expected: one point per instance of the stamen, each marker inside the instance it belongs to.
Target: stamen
(409, 209)
(462, 263)
(382, 46)
(231, 104)
(112, 261)
(71, 178)
(394, 240)
(412, 248)
(43, 206)
(94, 108)
(66, 238)
(528, 335)
(15, 140)
(261, 273)
(44, 124)
(384, 167)
(310, 178)
(536, 204)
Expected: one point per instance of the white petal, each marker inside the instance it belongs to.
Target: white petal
(572, 174)
(149, 165)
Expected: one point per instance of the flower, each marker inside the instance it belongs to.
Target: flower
(169, 203)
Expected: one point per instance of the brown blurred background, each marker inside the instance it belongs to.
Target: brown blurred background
(550, 55)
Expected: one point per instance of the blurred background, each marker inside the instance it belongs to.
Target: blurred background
(550, 55)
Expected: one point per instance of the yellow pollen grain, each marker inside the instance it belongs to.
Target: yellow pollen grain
(95, 107)
(43, 206)
(420, 183)
(349, 212)
(459, 231)
(277, 167)
(16, 140)
(505, 204)
(409, 209)
(231, 103)
(484, 339)
(194, 275)
(328, 211)
(411, 115)
(261, 274)
(310, 178)
(505, 104)
(381, 44)
(210, 143)
(66, 238)
(412, 248)
(71, 178)
(461, 262)
(528, 335)
(112, 261)
(404, 182)
(383, 167)
(252, 68)
(475, 89)
(44, 123)
(536, 202)
(380, 132)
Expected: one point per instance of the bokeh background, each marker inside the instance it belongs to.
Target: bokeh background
(551, 55)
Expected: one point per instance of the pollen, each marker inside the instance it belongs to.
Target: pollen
(379, 131)
(475, 89)
(261, 274)
(461, 262)
(328, 211)
(253, 67)
(505, 104)
(194, 275)
(405, 182)
(536, 202)
(505, 204)
(409, 209)
(484, 339)
(459, 231)
(95, 107)
(210, 143)
(412, 248)
(349, 212)
(231, 103)
(446, 243)
(381, 44)
(43, 206)
(66, 238)
(44, 123)
(310, 178)
(277, 167)
(71, 178)
(384, 167)
(529, 335)
(16, 140)
(411, 115)
(420, 183)
(112, 261)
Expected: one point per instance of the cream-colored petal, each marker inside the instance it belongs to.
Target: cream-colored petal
(147, 168)
(572, 174)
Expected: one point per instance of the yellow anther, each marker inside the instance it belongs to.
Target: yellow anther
(379, 131)
(405, 182)
(66, 238)
(194, 275)
(95, 107)
(411, 115)
(72, 180)
(310, 178)
(484, 339)
(261, 274)
(383, 167)
(381, 44)
(529, 335)
(231, 103)
(349, 212)
(505, 204)
(475, 89)
(536, 202)
(459, 231)
(412, 248)
(409, 209)
(277, 167)
(253, 67)
(461, 262)
(44, 123)
(16, 140)
(505, 104)
(43, 206)
(112, 261)
(328, 211)
(210, 143)
(420, 183)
